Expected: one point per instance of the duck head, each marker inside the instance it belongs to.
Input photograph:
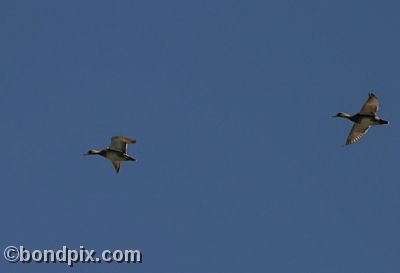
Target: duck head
(93, 152)
(341, 115)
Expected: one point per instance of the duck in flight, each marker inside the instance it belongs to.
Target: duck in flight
(364, 119)
(116, 152)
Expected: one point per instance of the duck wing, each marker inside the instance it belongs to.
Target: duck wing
(357, 132)
(116, 165)
(120, 143)
(371, 106)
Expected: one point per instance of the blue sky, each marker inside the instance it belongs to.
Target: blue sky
(240, 166)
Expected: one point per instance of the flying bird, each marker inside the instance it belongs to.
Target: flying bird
(116, 152)
(364, 119)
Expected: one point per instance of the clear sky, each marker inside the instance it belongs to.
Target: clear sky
(240, 166)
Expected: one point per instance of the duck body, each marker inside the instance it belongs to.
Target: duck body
(111, 154)
(359, 118)
(116, 152)
(363, 120)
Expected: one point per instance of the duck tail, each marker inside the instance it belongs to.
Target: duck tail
(130, 159)
(382, 121)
